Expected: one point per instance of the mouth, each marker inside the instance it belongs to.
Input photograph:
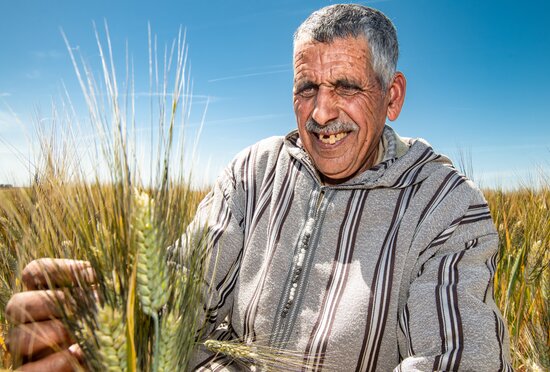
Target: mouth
(331, 138)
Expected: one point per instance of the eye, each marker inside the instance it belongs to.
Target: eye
(307, 90)
(345, 88)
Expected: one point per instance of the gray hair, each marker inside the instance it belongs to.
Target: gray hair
(345, 20)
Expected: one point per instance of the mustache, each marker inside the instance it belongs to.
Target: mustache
(335, 126)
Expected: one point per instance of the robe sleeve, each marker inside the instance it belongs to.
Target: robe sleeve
(450, 320)
(212, 246)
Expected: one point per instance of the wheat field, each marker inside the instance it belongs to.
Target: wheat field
(522, 280)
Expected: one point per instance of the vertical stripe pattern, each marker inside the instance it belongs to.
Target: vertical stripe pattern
(317, 344)
(448, 314)
(248, 185)
(277, 218)
(381, 287)
(227, 283)
(405, 329)
(265, 202)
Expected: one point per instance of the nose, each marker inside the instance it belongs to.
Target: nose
(325, 109)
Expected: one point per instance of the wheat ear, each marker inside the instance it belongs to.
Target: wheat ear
(168, 344)
(264, 358)
(152, 274)
(111, 339)
(231, 349)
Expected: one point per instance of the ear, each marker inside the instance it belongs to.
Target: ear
(396, 95)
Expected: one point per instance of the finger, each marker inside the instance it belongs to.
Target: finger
(76, 352)
(30, 339)
(62, 361)
(74, 349)
(57, 272)
(31, 306)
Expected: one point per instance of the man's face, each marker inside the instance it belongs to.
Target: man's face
(339, 106)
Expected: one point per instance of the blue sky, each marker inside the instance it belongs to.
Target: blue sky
(477, 73)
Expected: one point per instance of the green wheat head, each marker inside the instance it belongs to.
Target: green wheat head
(152, 276)
(168, 345)
(111, 338)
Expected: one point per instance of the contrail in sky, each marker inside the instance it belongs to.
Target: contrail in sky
(249, 75)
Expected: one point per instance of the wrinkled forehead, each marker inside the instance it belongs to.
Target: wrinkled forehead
(351, 45)
(343, 52)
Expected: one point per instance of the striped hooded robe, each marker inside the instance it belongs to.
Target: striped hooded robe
(392, 269)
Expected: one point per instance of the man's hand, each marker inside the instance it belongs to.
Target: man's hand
(39, 337)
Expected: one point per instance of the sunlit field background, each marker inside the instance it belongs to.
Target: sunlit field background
(522, 280)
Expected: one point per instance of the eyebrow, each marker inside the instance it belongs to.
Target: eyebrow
(345, 83)
(305, 84)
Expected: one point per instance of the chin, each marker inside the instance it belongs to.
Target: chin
(334, 168)
(334, 177)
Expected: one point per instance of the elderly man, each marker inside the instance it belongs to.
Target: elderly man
(343, 242)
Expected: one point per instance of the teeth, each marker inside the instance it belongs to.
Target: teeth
(332, 138)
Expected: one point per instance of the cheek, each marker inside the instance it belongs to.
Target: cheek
(360, 108)
(297, 107)
(302, 109)
(365, 114)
